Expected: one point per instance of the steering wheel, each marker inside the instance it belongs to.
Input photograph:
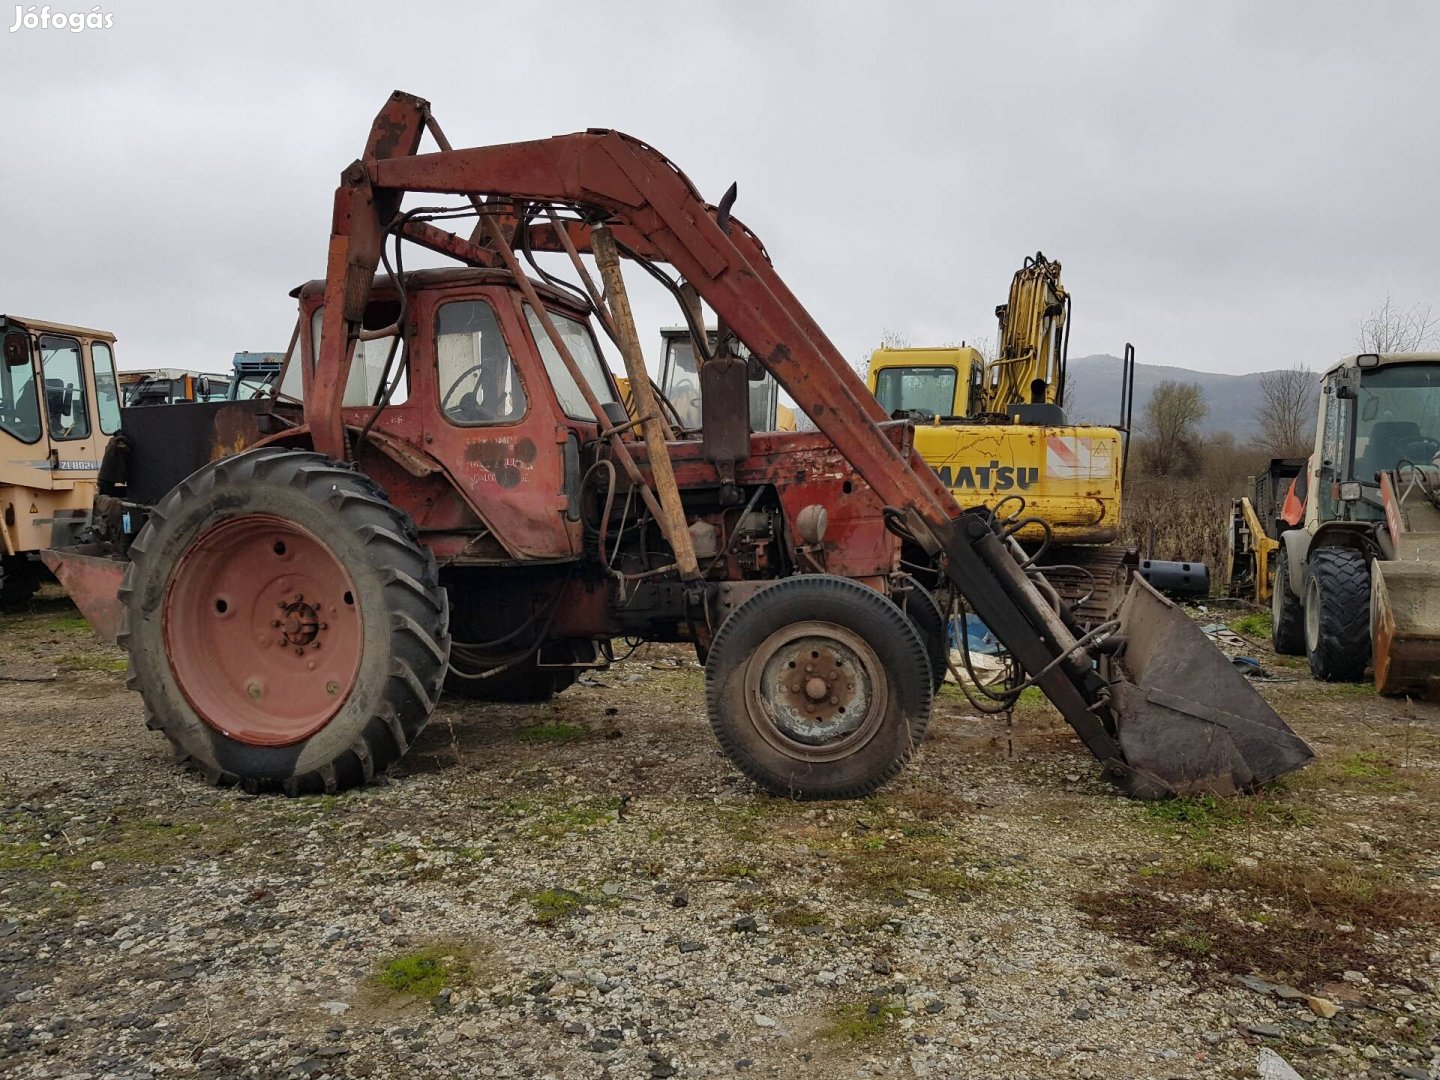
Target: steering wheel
(685, 396)
(468, 403)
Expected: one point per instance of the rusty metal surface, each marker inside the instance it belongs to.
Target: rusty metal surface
(93, 582)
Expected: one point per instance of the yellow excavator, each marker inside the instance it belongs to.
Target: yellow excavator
(997, 434)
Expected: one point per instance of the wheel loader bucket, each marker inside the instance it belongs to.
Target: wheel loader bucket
(92, 577)
(1187, 722)
(1405, 626)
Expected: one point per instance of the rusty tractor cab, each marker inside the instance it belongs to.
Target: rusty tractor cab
(59, 406)
(467, 505)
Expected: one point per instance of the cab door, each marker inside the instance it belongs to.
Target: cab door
(490, 417)
(73, 439)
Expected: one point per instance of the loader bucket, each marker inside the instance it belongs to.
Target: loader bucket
(1187, 722)
(1405, 626)
(92, 578)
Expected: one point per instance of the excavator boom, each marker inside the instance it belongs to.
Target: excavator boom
(1152, 719)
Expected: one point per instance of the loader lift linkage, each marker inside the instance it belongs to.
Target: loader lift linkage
(1160, 708)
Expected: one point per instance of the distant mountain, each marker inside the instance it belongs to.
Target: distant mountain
(1095, 392)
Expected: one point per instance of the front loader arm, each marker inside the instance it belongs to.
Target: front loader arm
(653, 209)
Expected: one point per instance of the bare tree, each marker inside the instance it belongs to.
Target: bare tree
(1286, 413)
(1170, 429)
(1390, 329)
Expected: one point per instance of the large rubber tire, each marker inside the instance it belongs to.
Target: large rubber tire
(1337, 614)
(1287, 612)
(846, 624)
(395, 613)
(19, 578)
(922, 610)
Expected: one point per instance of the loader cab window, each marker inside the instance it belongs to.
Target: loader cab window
(65, 405)
(586, 355)
(1397, 417)
(917, 389)
(477, 380)
(364, 386)
(19, 403)
(107, 394)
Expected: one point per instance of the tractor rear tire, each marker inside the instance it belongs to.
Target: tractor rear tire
(285, 627)
(1337, 614)
(818, 687)
(924, 612)
(1287, 612)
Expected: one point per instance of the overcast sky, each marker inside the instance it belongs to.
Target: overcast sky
(1228, 185)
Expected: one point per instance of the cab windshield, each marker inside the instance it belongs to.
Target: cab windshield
(1397, 418)
(916, 389)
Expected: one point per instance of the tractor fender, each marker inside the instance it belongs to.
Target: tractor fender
(1294, 549)
(1359, 535)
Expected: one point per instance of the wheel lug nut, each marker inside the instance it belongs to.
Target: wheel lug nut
(332, 688)
(274, 622)
(299, 650)
(299, 597)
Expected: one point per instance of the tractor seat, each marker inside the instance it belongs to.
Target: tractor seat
(1387, 442)
(57, 401)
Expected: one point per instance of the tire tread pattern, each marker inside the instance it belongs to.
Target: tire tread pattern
(1342, 577)
(418, 611)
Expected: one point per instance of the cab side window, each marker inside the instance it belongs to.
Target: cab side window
(477, 380)
(107, 396)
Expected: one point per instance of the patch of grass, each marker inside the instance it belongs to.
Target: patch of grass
(797, 917)
(1278, 920)
(1364, 765)
(738, 870)
(425, 973)
(550, 733)
(552, 905)
(1255, 625)
(92, 663)
(63, 624)
(1205, 814)
(863, 1021)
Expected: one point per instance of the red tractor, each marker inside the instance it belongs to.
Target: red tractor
(447, 493)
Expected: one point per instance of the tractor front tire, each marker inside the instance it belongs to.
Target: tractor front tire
(1287, 612)
(285, 628)
(818, 687)
(1337, 614)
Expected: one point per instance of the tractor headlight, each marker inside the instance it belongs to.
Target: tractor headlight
(1350, 491)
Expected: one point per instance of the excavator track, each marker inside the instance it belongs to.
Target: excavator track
(1098, 571)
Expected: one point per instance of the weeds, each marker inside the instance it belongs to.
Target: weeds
(1288, 923)
(552, 905)
(1255, 625)
(863, 1021)
(425, 973)
(1206, 814)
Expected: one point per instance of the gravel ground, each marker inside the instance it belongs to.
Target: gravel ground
(587, 889)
